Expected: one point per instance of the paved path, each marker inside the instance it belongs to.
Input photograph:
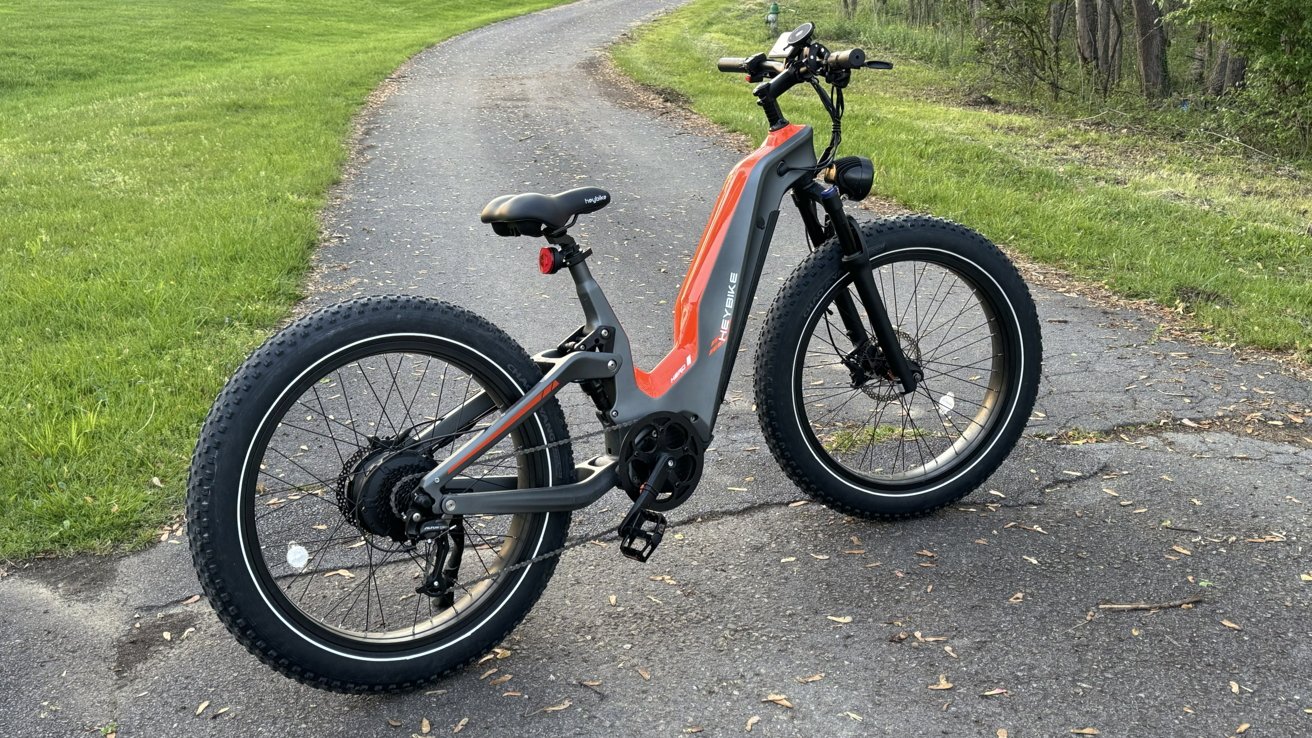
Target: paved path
(1155, 510)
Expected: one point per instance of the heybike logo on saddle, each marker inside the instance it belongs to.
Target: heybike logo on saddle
(723, 338)
(594, 200)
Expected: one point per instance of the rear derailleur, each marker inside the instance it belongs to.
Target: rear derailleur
(448, 550)
(410, 503)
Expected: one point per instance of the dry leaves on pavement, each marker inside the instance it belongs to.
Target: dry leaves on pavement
(778, 699)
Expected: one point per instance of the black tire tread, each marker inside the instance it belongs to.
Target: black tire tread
(797, 297)
(216, 430)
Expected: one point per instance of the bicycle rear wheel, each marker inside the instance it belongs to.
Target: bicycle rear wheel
(302, 474)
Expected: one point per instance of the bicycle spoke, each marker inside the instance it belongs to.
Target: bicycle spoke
(944, 327)
(350, 581)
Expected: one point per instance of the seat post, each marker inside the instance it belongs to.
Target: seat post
(596, 308)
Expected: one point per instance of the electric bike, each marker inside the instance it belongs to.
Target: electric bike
(381, 491)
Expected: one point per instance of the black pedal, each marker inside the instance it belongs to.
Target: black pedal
(640, 533)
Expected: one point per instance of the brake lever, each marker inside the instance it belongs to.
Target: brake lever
(766, 70)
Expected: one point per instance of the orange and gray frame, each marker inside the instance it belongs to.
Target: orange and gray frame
(710, 314)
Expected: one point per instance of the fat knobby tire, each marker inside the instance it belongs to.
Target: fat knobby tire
(785, 326)
(218, 463)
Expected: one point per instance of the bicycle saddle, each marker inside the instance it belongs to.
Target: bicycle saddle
(533, 214)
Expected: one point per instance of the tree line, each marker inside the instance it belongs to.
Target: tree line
(1249, 61)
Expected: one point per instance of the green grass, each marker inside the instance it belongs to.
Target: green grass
(846, 440)
(1218, 236)
(162, 163)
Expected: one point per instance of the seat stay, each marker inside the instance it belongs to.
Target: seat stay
(572, 367)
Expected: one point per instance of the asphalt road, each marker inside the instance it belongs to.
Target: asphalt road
(1000, 594)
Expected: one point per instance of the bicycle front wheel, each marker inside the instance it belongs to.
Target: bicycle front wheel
(841, 427)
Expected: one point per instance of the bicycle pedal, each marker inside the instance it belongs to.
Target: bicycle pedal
(641, 533)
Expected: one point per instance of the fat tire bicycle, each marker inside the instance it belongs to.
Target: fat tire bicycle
(381, 491)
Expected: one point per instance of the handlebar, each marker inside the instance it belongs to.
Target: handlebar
(797, 58)
(833, 61)
(732, 64)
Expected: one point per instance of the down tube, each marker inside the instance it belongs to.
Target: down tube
(712, 307)
(742, 259)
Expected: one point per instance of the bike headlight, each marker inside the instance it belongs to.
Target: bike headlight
(854, 176)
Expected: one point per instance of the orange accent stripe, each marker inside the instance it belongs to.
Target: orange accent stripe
(541, 397)
(687, 306)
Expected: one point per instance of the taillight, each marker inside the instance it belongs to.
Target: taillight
(550, 260)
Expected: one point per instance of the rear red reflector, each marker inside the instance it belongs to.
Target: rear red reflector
(549, 261)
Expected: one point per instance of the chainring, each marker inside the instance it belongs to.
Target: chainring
(661, 435)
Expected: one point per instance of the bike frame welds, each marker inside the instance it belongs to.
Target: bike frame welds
(710, 315)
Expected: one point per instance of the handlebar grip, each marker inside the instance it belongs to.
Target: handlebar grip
(732, 64)
(850, 59)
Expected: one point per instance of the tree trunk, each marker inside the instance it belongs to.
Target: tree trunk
(1202, 54)
(919, 12)
(1227, 73)
(1216, 80)
(1151, 36)
(1056, 29)
(978, 18)
(1108, 43)
(1086, 31)
(1057, 21)
(849, 9)
(1235, 71)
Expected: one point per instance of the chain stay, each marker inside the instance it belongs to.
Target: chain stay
(611, 533)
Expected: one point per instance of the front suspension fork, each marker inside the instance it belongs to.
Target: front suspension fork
(856, 261)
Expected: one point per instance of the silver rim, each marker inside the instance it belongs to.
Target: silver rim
(323, 569)
(872, 434)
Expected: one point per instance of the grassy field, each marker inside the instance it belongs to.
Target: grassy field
(1200, 228)
(161, 166)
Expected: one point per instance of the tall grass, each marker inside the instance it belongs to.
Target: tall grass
(161, 166)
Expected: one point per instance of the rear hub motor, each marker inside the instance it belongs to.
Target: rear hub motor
(664, 435)
(380, 490)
